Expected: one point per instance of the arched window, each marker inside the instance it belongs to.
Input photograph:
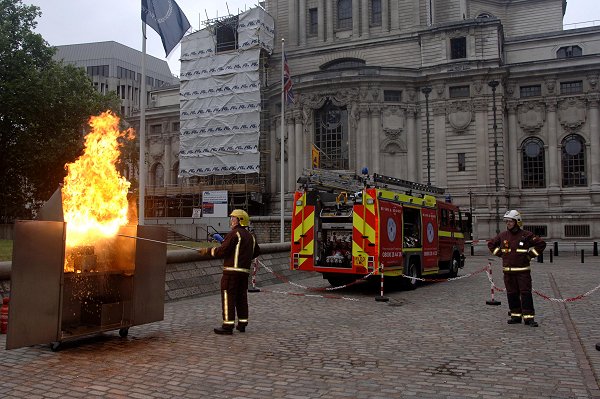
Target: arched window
(343, 63)
(534, 163)
(331, 136)
(569, 52)
(344, 14)
(158, 175)
(573, 161)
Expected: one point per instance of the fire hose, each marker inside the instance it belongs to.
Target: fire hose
(159, 242)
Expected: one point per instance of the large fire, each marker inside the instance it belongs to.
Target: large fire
(94, 194)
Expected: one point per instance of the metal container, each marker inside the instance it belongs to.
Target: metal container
(107, 286)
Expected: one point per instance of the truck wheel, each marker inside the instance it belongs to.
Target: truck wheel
(412, 271)
(454, 265)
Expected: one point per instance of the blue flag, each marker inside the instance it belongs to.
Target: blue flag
(167, 19)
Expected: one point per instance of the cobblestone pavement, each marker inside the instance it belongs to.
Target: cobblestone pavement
(438, 341)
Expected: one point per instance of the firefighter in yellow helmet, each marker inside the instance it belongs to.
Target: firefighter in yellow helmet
(517, 247)
(237, 250)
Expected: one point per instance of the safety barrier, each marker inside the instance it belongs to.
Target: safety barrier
(487, 269)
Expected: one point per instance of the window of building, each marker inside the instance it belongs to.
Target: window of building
(313, 21)
(539, 230)
(530, 91)
(344, 14)
(393, 96)
(331, 136)
(462, 164)
(227, 35)
(156, 129)
(458, 48)
(577, 230)
(98, 70)
(343, 63)
(376, 12)
(534, 164)
(459, 91)
(176, 126)
(573, 161)
(575, 87)
(158, 177)
(569, 52)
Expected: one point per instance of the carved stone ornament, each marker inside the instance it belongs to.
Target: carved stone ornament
(393, 118)
(550, 85)
(509, 89)
(392, 134)
(459, 115)
(572, 114)
(157, 147)
(393, 146)
(593, 82)
(531, 116)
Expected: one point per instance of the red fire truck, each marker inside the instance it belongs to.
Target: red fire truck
(346, 226)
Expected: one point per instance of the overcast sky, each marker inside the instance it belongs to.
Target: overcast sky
(85, 21)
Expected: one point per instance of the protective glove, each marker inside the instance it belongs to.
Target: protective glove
(204, 251)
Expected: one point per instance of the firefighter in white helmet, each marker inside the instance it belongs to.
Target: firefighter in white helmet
(517, 247)
(238, 249)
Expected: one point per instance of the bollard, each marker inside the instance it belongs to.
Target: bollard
(555, 248)
(551, 255)
(595, 253)
(492, 301)
(254, 271)
(4, 316)
(381, 298)
(540, 257)
(472, 250)
(582, 256)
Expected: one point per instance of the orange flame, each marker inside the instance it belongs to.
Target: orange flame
(94, 194)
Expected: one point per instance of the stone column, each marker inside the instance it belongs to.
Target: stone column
(291, 154)
(513, 151)
(438, 146)
(361, 138)
(302, 22)
(168, 166)
(385, 15)
(330, 19)
(412, 144)
(394, 16)
(321, 21)
(594, 153)
(364, 12)
(293, 22)
(553, 155)
(299, 148)
(355, 18)
(482, 142)
(375, 140)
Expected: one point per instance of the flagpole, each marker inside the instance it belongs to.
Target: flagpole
(282, 146)
(142, 160)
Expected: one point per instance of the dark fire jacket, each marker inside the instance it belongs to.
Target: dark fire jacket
(516, 249)
(237, 250)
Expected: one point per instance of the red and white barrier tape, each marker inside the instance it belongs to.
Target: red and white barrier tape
(328, 296)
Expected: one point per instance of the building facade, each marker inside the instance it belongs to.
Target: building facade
(498, 107)
(115, 67)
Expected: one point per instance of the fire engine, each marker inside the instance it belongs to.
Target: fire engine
(347, 226)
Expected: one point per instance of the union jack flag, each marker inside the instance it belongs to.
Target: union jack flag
(287, 81)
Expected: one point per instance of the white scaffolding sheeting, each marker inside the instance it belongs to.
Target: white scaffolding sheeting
(220, 100)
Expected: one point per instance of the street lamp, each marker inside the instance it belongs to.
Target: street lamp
(494, 84)
(471, 220)
(426, 91)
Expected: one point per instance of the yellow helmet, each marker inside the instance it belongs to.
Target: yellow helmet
(242, 216)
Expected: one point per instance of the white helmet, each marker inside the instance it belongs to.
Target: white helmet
(514, 215)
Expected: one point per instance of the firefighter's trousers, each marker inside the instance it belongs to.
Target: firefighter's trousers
(234, 298)
(518, 292)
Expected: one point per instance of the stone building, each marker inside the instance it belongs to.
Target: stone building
(510, 119)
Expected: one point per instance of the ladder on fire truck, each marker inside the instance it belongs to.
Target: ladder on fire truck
(350, 181)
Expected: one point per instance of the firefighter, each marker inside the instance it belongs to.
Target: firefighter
(238, 249)
(517, 247)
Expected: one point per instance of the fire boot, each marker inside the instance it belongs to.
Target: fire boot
(223, 331)
(241, 327)
(531, 323)
(514, 320)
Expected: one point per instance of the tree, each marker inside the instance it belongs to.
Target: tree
(44, 108)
